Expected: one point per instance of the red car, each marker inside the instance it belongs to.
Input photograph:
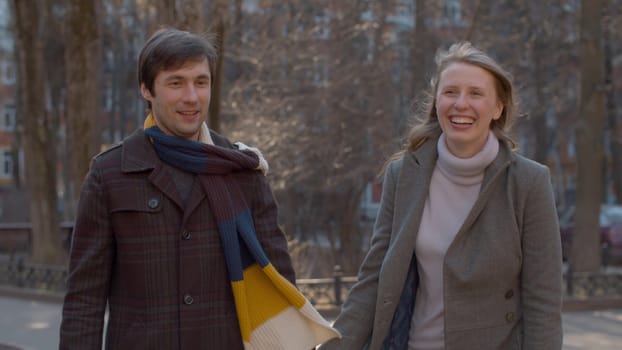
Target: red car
(610, 231)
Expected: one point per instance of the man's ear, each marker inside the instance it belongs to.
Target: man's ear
(145, 92)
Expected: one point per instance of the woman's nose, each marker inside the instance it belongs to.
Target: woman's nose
(461, 101)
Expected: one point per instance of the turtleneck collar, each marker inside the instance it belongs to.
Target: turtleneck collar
(466, 171)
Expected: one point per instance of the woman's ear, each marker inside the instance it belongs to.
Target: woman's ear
(498, 110)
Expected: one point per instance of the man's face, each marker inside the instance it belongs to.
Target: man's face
(180, 99)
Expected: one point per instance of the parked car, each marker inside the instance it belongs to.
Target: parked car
(610, 220)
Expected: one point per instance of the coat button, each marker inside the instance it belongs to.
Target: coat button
(509, 316)
(185, 235)
(509, 294)
(153, 203)
(188, 299)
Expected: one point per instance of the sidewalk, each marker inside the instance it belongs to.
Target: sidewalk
(34, 324)
(29, 324)
(593, 330)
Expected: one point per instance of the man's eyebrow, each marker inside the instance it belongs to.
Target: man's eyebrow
(173, 77)
(179, 76)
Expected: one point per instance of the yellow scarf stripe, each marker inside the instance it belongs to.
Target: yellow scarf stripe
(284, 286)
(274, 315)
(241, 306)
(149, 121)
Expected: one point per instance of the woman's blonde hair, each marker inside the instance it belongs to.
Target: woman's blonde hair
(427, 125)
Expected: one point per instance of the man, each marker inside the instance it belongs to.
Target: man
(157, 235)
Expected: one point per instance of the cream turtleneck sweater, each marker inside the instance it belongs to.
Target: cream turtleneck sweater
(454, 187)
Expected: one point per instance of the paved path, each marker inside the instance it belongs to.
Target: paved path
(593, 330)
(29, 325)
(33, 325)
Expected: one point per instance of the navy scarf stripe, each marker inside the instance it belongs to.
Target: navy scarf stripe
(197, 157)
(233, 216)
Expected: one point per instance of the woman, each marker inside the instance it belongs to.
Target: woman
(465, 252)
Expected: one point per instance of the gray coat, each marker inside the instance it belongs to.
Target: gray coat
(502, 273)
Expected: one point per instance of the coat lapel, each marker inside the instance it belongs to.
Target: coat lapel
(196, 197)
(141, 156)
(491, 173)
(412, 192)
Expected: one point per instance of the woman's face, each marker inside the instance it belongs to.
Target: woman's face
(466, 104)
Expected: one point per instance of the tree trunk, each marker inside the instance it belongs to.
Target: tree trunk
(191, 16)
(349, 232)
(538, 121)
(419, 49)
(218, 16)
(39, 141)
(54, 49)
(615, 127)
(82, 57)
(214, 107)
(585, 253)
(166, 12)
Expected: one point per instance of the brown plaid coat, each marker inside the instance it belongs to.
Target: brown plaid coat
(158, 267)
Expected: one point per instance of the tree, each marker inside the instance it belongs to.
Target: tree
(83, 62)
(54, 51)
(218, 18)
(614, 120)
(38, 134)
(585, 251)
(312, 90)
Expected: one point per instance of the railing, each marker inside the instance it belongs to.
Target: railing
(605, 284)
(330, 291)
(326, 291)
(16, 272)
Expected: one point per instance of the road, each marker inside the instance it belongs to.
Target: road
(33, 325)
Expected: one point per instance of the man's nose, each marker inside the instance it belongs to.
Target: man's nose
(190, 93)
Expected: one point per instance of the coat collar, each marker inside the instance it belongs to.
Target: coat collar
(414, 183)
(425, 158)
(138, 154)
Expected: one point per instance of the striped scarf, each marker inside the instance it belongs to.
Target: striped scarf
(272, 313)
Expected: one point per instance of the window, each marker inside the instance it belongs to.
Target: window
(7, 73)
(404, 8)
(6, 163)
(7, 119)
(321, 29)
(452, 11)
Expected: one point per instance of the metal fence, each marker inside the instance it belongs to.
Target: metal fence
(15, 271)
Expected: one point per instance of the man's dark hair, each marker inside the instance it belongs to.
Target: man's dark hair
(169, 49)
